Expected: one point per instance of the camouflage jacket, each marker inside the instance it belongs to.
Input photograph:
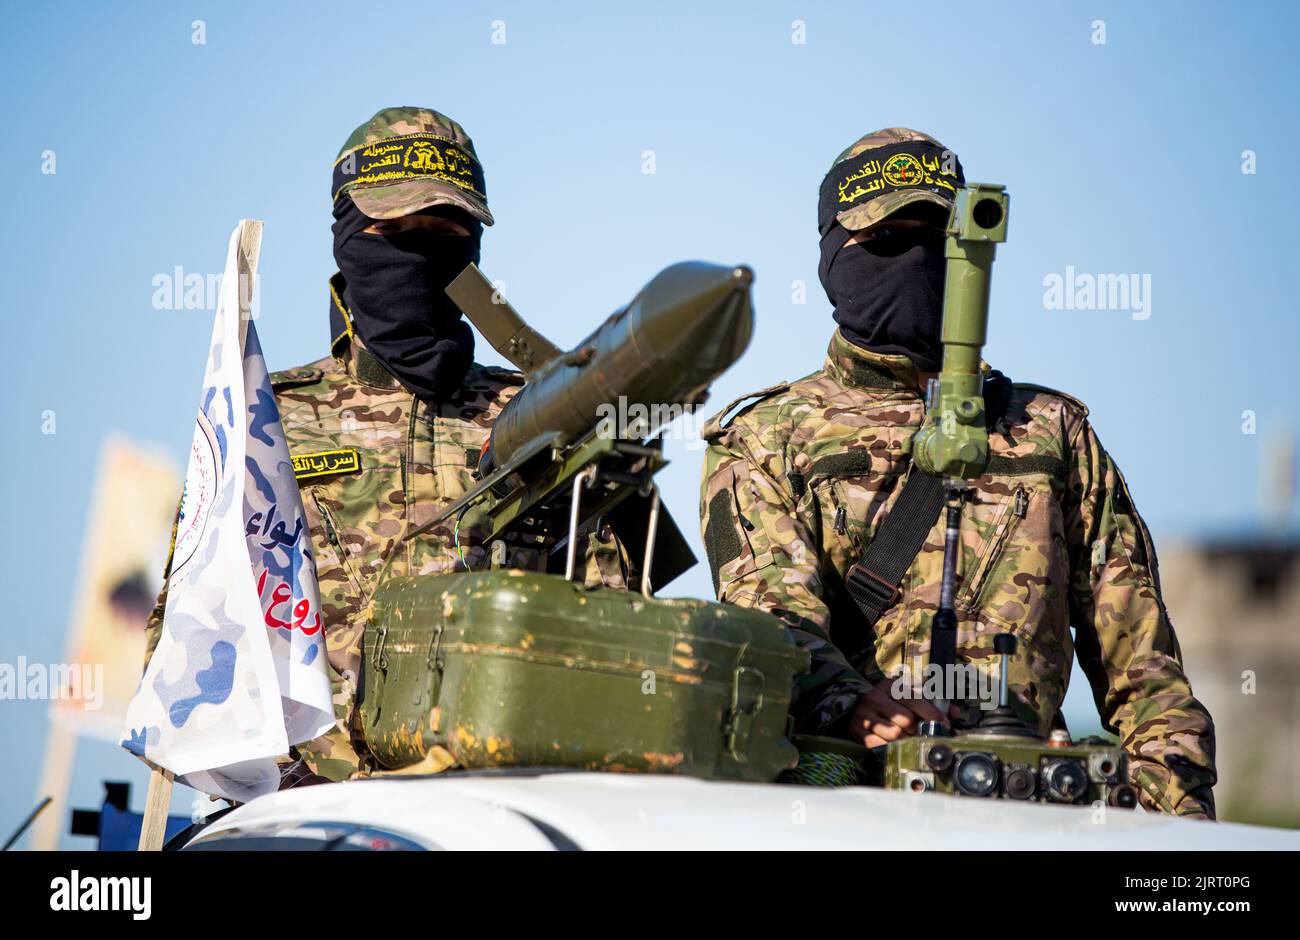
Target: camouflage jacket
(373, 461)
(797, 483)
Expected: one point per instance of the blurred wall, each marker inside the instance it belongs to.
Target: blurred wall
(1235, 605)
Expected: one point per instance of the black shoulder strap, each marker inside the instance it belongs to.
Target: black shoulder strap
(873, 579)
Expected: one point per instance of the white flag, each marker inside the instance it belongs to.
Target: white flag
(239, 672)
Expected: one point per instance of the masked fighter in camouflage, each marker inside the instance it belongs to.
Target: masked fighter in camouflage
(386, 431)
(797, 484)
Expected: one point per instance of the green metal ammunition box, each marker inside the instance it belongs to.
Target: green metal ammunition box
(511, 668)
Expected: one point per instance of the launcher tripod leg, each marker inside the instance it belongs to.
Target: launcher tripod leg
(571, 555)
(652, 533)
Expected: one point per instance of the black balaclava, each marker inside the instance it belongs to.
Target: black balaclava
(396, 296)
(888, 291)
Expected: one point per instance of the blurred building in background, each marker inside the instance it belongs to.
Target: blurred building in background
(1235, 602)
(1236, 607)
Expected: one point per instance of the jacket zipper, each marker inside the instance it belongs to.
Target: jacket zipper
(1015, 509)
(341, 550)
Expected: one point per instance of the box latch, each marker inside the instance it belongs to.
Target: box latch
(747, 684)
(432, 686)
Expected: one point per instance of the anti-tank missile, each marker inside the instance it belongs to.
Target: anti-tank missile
(645, 364)
(682, 330)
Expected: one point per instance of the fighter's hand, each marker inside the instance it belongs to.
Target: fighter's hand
(881, 718)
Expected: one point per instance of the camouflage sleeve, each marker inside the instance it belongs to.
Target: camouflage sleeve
(762, 556)
(1125, 642)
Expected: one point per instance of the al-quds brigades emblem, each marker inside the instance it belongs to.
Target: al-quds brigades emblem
(902, 169)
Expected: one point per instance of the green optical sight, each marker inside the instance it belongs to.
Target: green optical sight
(953, 440)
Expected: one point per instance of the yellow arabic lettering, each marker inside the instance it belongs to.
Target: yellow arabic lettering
(862, 191)
(870, 168)
(468, 186)
(458, 162)
(387, 161)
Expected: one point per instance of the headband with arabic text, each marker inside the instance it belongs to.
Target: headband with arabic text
(911, 165)
(413, 157)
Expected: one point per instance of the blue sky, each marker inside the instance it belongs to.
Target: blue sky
(1121, 158)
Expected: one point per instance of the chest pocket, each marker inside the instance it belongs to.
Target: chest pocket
(1018, 564)
(988, 527)
(357, 515)
(851, 493)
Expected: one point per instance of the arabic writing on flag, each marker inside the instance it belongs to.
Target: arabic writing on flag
(239, 672)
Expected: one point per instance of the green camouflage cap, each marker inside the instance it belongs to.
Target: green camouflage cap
(406, 159)
(884, 171)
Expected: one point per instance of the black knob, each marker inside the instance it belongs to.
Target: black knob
(1004, 644)
(1123, 796)
(1020, 783)
(939, 758)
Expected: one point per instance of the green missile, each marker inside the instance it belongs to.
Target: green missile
(660, 352)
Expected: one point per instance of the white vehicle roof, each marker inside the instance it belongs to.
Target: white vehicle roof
(548, 811)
